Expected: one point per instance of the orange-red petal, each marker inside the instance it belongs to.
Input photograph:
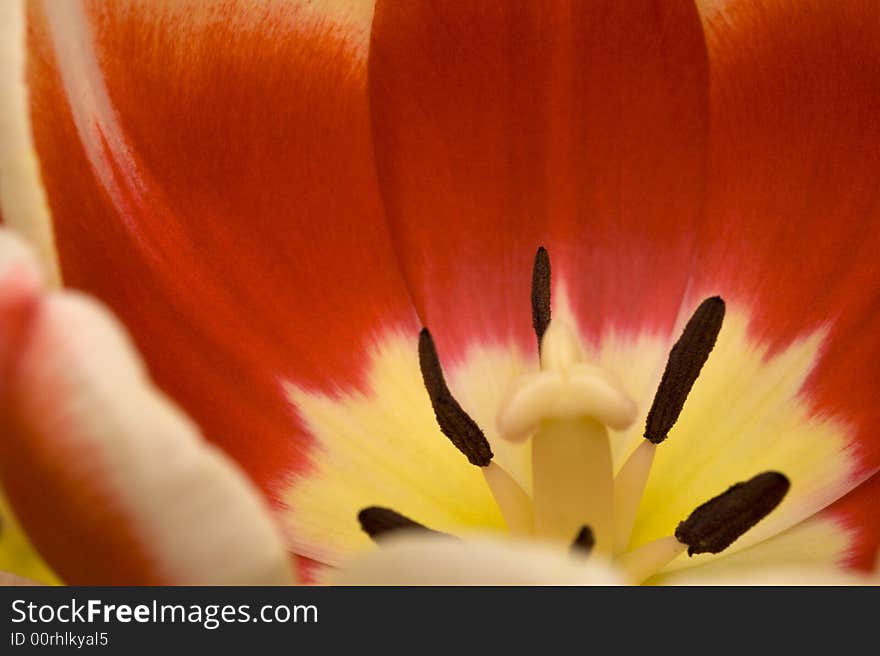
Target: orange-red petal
(499, 127)
(209, 169)
(859, 513)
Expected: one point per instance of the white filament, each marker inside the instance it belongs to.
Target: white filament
(629, 486)
(641, 563)
(514, 503)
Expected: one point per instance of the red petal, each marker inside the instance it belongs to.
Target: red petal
(210, 174)
(503, 126)
(795, 167)
(859, 512)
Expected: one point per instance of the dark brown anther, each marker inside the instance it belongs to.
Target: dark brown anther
(686, 359)
(454, 422)
(379, 522)
(541, 294)
(584, 541)
(715, 525)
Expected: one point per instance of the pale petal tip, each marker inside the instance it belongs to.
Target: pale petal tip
(474, 560)
(18, 265)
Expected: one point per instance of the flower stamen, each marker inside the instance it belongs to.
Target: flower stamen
(584, 541)
(468, 437)
(513, 501)
(541, 294)
(378, 522)
(716, 524)
(712, 527)
(686, 360)
(629, 488)
(648, 559)
(454, 422)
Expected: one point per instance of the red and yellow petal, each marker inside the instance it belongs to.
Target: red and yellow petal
(209, 170)
(789, 242)
(794, 171)
(112, 482)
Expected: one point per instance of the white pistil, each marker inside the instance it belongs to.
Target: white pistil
(512, 500)
(571, 468)
(629, 486)
(565, 408)
(639, 564)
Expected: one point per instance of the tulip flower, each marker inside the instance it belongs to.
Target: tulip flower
(442, 292)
